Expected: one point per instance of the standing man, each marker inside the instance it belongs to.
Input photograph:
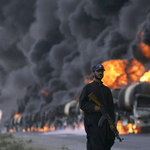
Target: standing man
(98, 138)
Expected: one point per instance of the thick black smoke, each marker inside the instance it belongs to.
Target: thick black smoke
(47, 47)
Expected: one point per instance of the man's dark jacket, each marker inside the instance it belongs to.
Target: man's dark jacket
(104, 96)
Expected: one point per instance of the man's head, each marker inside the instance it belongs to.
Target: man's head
(97, 71)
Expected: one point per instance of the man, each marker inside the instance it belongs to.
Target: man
(98, 138)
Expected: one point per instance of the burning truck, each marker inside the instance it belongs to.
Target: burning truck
(53, 118)
(132, 107)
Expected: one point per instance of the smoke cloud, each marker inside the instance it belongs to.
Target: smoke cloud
(48, 47)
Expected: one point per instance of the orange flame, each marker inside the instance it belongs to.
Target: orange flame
(145, 77)
(121, 72)
(11, 131)
(16, 115)
(45, 129)
(145, 49)
(45, 92)
(130, 128)
(81, 126)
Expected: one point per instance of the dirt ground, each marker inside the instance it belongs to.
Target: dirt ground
(76, 140)
(54, 140)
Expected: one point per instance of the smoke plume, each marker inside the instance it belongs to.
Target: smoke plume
(48, 47)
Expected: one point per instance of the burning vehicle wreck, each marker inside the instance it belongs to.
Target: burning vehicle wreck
(132, 107)
(53, 118)
(131, 95)
(129, 84)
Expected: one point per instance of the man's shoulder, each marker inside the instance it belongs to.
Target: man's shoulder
(106, 87)
(87, 85)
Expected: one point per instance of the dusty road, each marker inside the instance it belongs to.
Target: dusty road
(76, 140)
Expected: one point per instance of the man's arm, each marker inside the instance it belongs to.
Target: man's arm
(84, 103)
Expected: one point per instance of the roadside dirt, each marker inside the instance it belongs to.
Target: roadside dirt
(54, 141)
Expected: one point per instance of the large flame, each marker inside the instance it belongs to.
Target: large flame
(121, 72)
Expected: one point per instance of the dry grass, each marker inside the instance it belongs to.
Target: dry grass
(8, 142)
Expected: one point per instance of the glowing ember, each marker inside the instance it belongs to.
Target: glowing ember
(130, 128)
(45, 92)
(11, 131)
(145, 77)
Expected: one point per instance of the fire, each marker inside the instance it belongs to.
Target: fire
(130, 128)
(121, 72)
(135, 71)
(145, 49)
(45, 129)
(16, 115)
(76, 127)
(115, 73)
(11, 131)
(23, 130)
(45, 92)
(145, 77)
(81, 126)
